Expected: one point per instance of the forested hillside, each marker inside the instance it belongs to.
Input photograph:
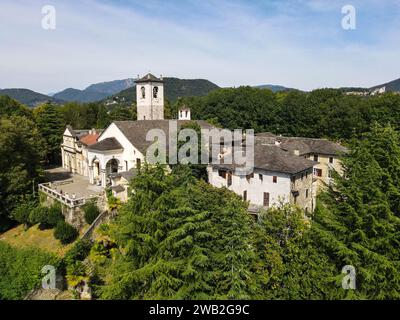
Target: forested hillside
(174, 88)
(28, 97)
(320, 113)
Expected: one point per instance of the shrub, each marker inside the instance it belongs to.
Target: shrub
(78, 252)
(91, 212)
(77, 273)
(65, 232)
(21, 213)
(46, 217)
(39, 215)
(54, 216)
(20, 270)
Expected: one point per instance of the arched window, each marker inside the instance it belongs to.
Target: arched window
(155, 92)
(143, 92)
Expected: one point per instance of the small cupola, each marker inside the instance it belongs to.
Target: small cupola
(184, 113)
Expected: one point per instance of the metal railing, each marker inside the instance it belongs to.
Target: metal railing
(64, 199)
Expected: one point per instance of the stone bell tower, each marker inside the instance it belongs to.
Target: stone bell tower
(150, 98)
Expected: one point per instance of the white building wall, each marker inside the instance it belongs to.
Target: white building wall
(130, 153)
(279, 191)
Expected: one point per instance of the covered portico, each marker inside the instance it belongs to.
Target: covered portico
(105, 158)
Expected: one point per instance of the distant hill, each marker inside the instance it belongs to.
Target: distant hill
(274, 88)
(95, 92)
(173, 88)
(28, 97)
(390, 86)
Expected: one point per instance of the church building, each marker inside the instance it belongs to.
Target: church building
(289, 170)
(107, 155)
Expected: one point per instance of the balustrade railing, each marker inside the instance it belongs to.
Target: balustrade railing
(65, 199)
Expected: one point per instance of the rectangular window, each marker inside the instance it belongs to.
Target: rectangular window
(318, 172)
(138, 163)
(266, 199)
(260, 176)
(222, 173)
(249, 176)
(245, 195)
(302, 176)
(306, 193)
(330, 159)
(274, 179)
(126, 165)
(229, 179)
(316, 157)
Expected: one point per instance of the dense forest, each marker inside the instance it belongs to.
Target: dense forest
(178, 237)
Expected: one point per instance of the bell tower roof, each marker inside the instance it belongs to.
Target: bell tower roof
(149, 78)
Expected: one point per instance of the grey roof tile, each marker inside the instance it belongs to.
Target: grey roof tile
(106, 145)
(136, 131)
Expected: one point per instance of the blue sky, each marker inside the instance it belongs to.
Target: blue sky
(298, 43)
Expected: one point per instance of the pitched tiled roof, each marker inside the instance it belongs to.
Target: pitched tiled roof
(310, 145)
(136, 131)
(89, 139)
(303, 145)
(107, 144)
(273, 158)
(149, 78)
(127, 175)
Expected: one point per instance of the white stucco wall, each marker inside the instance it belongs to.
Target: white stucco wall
(279, 191)
(130, 153)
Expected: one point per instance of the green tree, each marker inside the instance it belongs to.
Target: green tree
(21, 213)
(91, 212)
(10, 107)
(39, 215)
(65, 232)
(291, 266)
(49, 121)
(20, 270)
(181, 239)
(358, 221)
(103, 118)
(21, 154)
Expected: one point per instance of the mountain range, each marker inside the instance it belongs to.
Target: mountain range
(173, 88)
(392, 86)
(29, 97)
(123, 91)
(95, 92)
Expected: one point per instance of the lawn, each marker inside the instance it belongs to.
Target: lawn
(33, 237)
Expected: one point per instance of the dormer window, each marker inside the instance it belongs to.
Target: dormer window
(143, 92)
(155, 92)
